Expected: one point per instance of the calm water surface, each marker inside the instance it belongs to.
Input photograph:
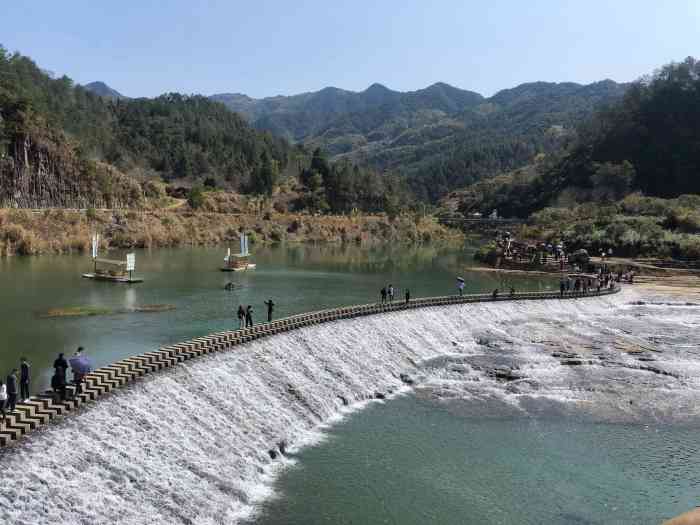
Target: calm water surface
(413, 462)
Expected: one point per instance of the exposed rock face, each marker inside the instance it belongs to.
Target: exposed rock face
(42, 170)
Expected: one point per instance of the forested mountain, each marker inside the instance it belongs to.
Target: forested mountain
(63, 145)
(648, 142)
(103, 90)
(440, 137)
(631, 179)
(51, 129)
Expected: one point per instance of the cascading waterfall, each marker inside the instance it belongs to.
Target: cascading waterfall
(192, 444)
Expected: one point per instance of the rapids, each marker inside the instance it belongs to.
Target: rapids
(192, 444)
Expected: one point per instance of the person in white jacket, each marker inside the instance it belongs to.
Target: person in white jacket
(3, 399)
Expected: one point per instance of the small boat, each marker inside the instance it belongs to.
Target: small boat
(238, 262)
(110, 269)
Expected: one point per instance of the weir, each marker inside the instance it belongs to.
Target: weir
(40, 410)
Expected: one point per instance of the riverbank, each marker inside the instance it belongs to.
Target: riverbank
(38, 232)
(672, 281)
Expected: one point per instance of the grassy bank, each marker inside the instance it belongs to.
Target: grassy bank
(26, 232)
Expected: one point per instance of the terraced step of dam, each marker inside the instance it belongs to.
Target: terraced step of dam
(42, 409)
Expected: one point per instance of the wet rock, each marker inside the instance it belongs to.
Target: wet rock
(344, 400)
(379, 395)
(282, 446)
(406, 379)
(644, 358)
(505, 374)
(573, 362)
(273, 453)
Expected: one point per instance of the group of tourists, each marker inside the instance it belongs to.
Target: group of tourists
(387, 294)
(9, 393)
(584, 284)
(245, 315)
(15, 388)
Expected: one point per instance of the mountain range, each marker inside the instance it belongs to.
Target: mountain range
(439, 138)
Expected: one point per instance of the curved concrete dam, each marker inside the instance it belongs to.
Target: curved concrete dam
(200, 441)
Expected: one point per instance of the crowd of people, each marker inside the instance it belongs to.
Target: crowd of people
(585, 284)
(16, 387)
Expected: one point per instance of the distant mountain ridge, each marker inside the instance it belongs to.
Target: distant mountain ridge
(299, 116)
(103, 90)
(440, 137)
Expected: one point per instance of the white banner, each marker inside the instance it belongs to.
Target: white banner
(95, 245)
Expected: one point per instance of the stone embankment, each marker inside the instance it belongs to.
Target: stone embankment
(40, 410)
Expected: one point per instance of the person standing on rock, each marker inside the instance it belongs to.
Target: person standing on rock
(241, 317)
(249, 316)
(24, 379)
(12, 390)
(270, 307)
(382, 292)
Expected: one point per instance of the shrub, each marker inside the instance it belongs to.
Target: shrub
(195, 198)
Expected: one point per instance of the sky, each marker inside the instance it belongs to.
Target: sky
(265, 48)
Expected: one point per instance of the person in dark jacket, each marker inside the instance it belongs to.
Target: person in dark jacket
(408, 296)
(382, 292)
(12, 390)
(58, 383)
(270, 307)
(241, 317)
(24, 379)
(61, 365)
(249, 316)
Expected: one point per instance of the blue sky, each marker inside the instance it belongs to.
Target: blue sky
(263, 48)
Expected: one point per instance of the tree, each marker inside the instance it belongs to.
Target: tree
(195, 198)
(612, 181)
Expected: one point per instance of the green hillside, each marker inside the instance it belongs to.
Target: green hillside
(440, 137)
(631, 178)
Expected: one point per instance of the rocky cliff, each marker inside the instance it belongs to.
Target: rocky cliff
(41, 169)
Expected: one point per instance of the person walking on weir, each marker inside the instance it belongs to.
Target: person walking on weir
(249, 316)
(390, 293)
(241, 317)
(12, 390)
(61, 365)
(382, 292)
(460, 286)
(270, 307)
(24, 379)
(408, 296)
(58, 383)
(80, 368)
(3, 400)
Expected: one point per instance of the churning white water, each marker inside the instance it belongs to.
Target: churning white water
(192, 444)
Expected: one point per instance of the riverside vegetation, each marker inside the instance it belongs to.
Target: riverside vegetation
(630, 182)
